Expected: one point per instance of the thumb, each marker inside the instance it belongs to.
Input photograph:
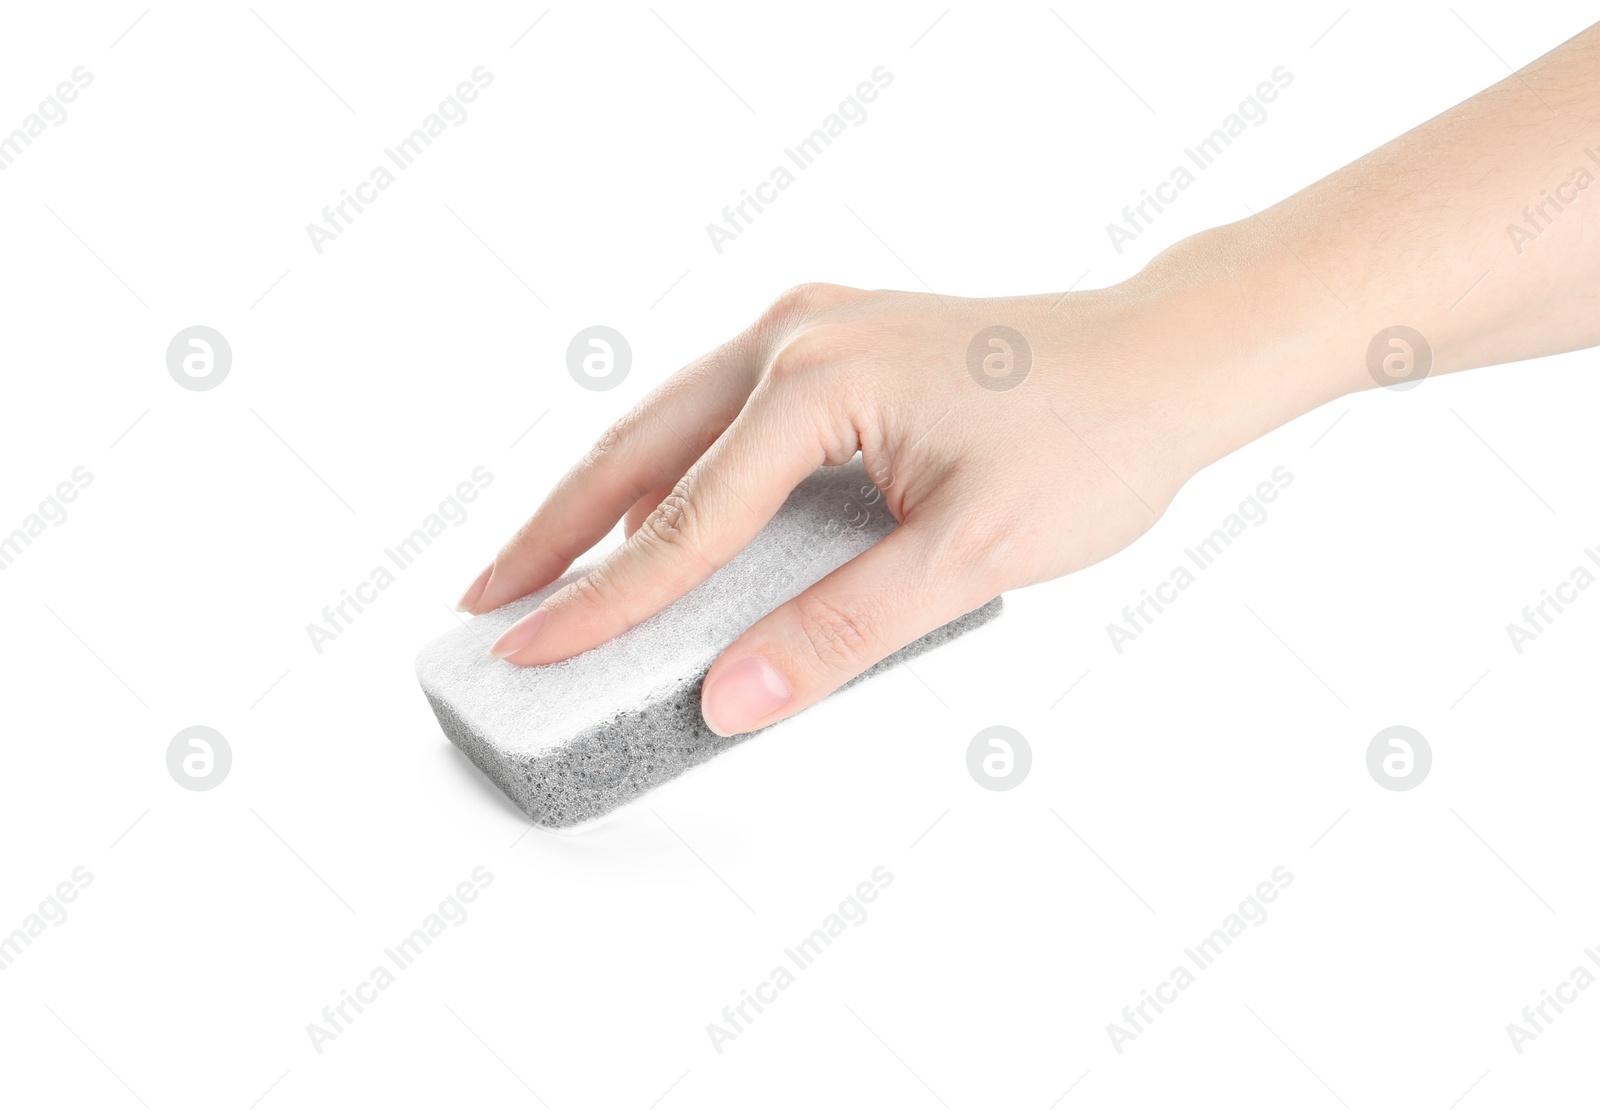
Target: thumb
(905, 586)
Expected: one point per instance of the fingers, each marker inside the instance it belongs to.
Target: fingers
(642, 508)
(646, 452)
(706, 519)
(907, 585)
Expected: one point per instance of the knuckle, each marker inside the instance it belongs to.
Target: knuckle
(805, 354)
(805, 299)
(611, 440)
(675, 525)
(676, 520)
(788, 365)
(592, 588)
(834, 636)
(595, 591)
(797, 299)
(670, 521)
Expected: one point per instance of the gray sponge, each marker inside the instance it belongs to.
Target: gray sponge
(573, 741)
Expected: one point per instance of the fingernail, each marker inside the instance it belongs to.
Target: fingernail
(520, 635)
(475, 591)
(743, 695)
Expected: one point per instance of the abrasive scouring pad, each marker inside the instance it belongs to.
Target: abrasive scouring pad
(571, 742)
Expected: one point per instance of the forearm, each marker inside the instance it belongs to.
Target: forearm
(1479, 229)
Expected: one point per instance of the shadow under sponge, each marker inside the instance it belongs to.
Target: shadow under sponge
(573, 741)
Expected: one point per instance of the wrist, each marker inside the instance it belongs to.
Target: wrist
(1254, 338)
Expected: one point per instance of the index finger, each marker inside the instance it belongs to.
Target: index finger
(712, 513)
(646, 451)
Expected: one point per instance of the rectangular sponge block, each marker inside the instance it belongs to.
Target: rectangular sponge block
(572, 742)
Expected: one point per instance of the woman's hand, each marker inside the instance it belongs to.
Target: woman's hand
(1019, 439)
(1014, 440)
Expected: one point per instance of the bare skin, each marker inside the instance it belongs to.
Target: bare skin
(1131, 390)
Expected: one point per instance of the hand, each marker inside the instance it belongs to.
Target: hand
(993, 485)
(1126, 392)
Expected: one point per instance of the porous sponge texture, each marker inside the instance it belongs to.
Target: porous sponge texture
(571, 742)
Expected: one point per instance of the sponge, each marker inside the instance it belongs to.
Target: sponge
(571, 742)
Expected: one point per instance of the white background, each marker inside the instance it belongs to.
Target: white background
(369, 380)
